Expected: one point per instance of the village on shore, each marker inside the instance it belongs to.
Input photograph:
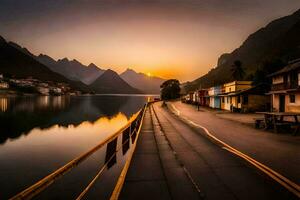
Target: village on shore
(241, 96)
(278, 102)
(15, 86)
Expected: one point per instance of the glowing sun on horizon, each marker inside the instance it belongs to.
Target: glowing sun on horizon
(148, 74)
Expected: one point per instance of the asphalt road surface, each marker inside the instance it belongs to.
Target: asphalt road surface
(174, 160)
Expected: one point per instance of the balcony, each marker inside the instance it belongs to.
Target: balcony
(285, 86)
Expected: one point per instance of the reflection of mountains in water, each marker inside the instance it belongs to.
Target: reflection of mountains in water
(19, 115)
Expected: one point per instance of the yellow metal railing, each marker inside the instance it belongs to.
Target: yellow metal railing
(130, 130)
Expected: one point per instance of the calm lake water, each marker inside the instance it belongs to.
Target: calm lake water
(40, 134)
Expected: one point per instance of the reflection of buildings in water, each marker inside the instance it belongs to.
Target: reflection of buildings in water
(23, 104)
(60, 102)
(3, 104)
(43, 101)
(57, 102)
(32, 104)
(53, 102)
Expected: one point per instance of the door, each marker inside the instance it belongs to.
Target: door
(281, 103)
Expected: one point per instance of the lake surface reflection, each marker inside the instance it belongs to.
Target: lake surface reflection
(40, 134)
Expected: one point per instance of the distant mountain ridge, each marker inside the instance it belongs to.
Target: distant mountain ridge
(72, 69)
(278, 40)
(20, 63)
(111, 83)
(147, 84)
(75, 71)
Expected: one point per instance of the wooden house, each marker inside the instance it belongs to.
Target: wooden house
(285, 90)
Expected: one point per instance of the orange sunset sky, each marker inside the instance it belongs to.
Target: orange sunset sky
(170, 39)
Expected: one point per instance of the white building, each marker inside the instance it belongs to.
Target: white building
(4, 85)
(43, 90)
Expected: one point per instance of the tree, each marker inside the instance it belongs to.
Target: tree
(260, 77)
(237, 70)
(271, 66)
(268, 67)
(170, 89)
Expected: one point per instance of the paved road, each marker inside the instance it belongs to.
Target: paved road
(154, 172)
(175, 161)
(278, 151)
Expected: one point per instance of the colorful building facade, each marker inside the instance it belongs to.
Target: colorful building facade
(214, 98)
(229, 101)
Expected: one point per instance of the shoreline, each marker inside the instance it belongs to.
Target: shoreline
(38, 95)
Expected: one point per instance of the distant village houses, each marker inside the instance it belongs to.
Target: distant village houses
(236, 96)
(31, 85)
(3, 83)
(283, 95)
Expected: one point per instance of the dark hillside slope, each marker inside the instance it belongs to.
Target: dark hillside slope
(15, 63)
(111, 83)
(278, 40)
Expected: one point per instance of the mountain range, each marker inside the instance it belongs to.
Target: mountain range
(79, 76)
(111, 83)
(15, 63)
(279, 40)
(145, 83)
(72, 69)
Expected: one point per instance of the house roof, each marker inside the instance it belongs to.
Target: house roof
(293, 65)
(237, 83)
(258, 89)
(295, 90)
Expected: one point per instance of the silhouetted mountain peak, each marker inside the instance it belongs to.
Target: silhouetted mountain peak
(130, 70)
(110, 72)
(95, 67)
(63, 60)
(92, 65)
(15, 45)
(2, 40)
(45, 57)
(297, 12)
(141, 81)
(74, 61)
(20, 48)
(111, 82)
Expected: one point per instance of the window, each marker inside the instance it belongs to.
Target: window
(245, 99)
(239, 99)
(223, 99)
(292, 98)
